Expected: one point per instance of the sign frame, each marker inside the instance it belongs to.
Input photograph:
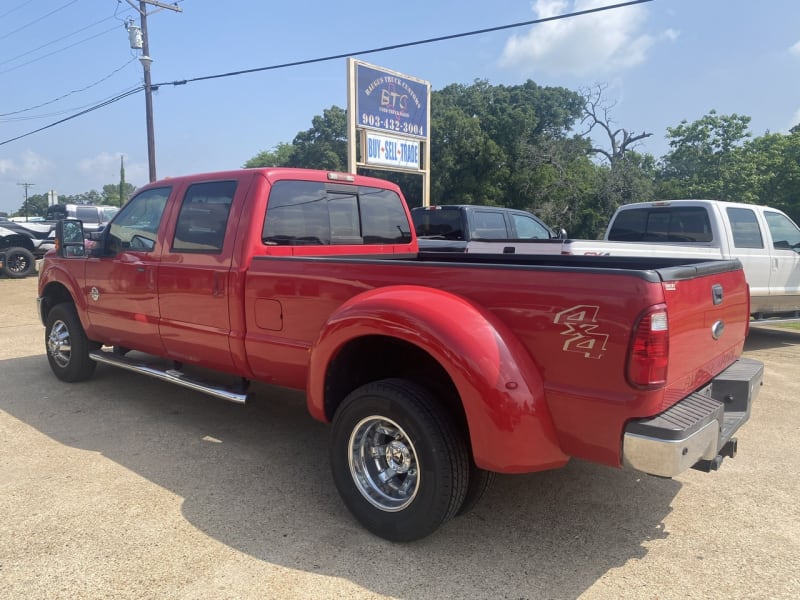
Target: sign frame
(393, 106)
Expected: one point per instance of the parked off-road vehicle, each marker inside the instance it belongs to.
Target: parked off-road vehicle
(16, 253)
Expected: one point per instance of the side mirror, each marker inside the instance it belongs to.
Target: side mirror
(69, 238)
(561, 233)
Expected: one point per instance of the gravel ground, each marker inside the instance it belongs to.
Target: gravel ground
(126, 487)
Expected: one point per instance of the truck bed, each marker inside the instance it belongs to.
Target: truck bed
(545, 300)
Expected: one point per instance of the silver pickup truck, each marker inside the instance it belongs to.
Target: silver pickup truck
(481, 229)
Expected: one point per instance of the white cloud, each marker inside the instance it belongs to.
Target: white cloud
(102, 166)
(603, 42)
(670, 35)
(103, 169)
(27, 166)
(795, 49)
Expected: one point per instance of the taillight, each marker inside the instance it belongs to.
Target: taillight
(649, 353)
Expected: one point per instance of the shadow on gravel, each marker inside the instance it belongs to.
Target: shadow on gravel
(256, 478)
(765, 338)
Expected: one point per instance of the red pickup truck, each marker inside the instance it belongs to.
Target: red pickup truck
(436, 371)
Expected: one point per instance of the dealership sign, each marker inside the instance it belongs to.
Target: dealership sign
(392, 102)
(386, 151)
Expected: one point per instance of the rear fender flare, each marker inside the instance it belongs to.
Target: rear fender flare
(501, 390)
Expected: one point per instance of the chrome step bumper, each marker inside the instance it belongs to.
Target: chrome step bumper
(697, 431)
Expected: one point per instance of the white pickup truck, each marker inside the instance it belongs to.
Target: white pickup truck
(764, 239)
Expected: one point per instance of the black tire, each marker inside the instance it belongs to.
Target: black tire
(416, 442)
(480, 481)
(19, 262)
(67, 345)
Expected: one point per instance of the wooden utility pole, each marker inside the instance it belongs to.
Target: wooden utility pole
(145, 59)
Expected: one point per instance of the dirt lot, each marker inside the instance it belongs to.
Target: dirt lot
(125, 487)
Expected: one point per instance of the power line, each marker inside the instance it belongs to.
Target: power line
(83, 89)
(115, 28)
(406, 44)
(68, 110)
(76, 115)
(8, 12)
(333, 57)
(55, 41)
(42, 18)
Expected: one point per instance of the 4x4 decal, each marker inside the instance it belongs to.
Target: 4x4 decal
(580, 324)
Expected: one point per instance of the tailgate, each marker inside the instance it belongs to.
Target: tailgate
(708, 309)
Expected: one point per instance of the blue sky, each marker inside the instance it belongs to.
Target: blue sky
(662, 62)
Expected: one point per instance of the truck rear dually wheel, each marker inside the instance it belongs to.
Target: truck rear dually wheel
(399, 462)
(67, 344)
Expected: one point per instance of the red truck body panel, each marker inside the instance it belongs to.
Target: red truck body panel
(585, 391)
(537, 352)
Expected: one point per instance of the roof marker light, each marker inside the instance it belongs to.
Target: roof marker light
(341, 177)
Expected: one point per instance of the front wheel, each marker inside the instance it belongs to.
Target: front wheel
(399, 462)
(67, 345)
(18, 263)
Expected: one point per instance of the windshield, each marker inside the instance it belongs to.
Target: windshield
(108, 213)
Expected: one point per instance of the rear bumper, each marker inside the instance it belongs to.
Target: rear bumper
(698, 430)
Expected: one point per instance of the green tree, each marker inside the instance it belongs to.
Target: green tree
(279, 156)
(628, 179)
(324, 145)
(708, 159)
(467, 165)
(36, 206)
(484, 138)
(90, 197)
(776, 159)
(554, 180)
(111, 193)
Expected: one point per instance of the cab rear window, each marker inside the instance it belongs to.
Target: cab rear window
(442, 223)
(662, 224)
(304, 213)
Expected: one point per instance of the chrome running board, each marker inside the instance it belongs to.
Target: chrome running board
(170, 376)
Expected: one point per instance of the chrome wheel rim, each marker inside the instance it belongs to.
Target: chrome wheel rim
(383, 463)
(58, 344)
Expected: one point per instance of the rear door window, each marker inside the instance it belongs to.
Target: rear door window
(489, 225)
(744, 226)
